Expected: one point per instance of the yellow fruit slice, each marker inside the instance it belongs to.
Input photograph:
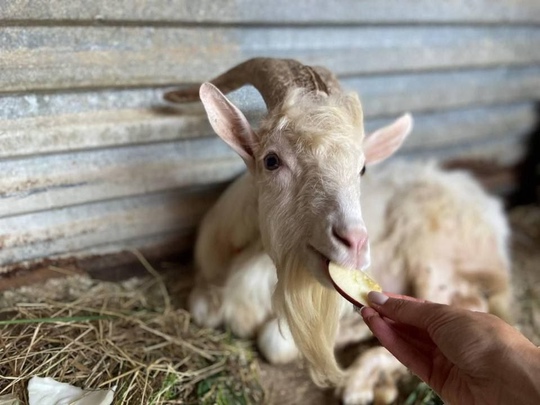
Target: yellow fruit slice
(352, 284)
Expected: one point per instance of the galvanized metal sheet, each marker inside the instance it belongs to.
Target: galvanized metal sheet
(36, 58)
(54, 181)
(83, 177)
(100, 129)
(381, 94)
(276, 11)
(434, 133)
(74, 228)
(62, 122)
(505, 151)
(384, 95)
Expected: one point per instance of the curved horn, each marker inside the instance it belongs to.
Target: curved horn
(273, 78)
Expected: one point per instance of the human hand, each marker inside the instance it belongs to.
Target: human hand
(466, 357)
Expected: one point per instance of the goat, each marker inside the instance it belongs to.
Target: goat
(263, 249)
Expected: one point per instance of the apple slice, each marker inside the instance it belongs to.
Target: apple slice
(353, 285)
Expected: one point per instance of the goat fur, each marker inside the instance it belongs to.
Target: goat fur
(434, 234)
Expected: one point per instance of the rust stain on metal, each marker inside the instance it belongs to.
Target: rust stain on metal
(21, 274)
(109, 267)
(35, 186)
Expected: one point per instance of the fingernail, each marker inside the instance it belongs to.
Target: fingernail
(368, 313)
(361, 311)
(377, 298)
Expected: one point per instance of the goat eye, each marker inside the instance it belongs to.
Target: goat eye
(363, 171)
(271, 161)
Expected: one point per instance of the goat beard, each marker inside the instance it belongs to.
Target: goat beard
(312, 312)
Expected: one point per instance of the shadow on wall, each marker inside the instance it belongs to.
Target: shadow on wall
(528, 172)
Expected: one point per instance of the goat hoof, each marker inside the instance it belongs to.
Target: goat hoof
(373, 378)
(276, 344)
(356, 397)
(243, 321)
(363, 394)
(205, 309)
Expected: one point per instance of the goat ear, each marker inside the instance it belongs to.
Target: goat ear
(229, 123)
(385, 141)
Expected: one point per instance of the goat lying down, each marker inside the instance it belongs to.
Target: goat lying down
(262, 251)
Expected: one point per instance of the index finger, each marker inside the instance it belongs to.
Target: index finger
(404, 297)
(418, 313)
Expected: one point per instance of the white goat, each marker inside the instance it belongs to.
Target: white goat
(263, 249)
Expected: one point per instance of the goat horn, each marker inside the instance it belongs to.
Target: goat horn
(273, 78)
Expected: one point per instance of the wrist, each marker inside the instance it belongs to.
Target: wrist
(522, 382)
(532, 371)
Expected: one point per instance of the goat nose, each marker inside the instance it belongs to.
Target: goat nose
(352, 238)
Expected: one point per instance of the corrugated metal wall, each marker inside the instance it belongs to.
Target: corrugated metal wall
(91, 159)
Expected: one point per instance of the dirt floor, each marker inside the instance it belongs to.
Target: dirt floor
(290, 384)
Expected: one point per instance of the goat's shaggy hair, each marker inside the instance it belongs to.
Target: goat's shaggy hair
(312, 313)
(318, 126)
(319, 123)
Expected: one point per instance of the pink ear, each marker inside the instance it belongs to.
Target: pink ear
(229, 123)
(385, 141)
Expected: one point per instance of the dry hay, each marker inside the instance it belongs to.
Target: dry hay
(98, 335)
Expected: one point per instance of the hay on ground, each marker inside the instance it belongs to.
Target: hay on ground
(96, 334)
